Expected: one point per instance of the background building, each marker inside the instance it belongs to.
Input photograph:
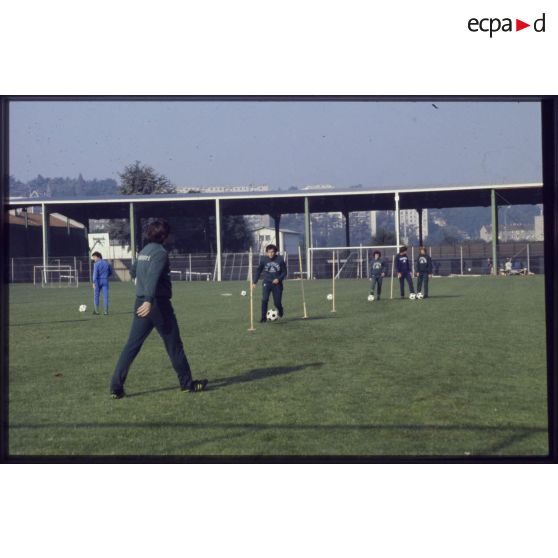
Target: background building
(223, 189)
(289, 241)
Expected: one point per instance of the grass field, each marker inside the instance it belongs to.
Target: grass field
(462, 373)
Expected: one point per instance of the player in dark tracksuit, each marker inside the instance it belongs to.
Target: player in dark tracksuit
(423, 271)
(101, 273)
(274, 271)
(153, 309)
(377, 273)
(403, 267)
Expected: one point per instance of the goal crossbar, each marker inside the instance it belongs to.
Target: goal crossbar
(358, 257)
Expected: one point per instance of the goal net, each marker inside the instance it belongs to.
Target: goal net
(55, 276)
(351, 262)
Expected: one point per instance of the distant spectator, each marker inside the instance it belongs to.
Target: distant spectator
(508, 266)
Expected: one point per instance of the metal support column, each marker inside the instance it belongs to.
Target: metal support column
(218, 236)
(307, 237)
(277, 223)
(494, 205)
(397, 220)
(347, 228)
(133, 231)
(45, 224)
(419, 211)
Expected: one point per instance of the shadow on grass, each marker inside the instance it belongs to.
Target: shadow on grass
(510, 434)
(259, 374)
(250, 376)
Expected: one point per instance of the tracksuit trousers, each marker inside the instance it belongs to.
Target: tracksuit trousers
(104, 288)
(408, 278)
(277, 291)
(163, 319)
(423, 279)
(376, 284)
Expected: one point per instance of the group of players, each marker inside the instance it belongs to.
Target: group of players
(153, 290)
(404, 272)
(273, 270)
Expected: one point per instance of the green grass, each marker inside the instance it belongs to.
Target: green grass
(461, 373)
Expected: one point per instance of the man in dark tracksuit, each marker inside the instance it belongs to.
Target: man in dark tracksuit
(377, 273)
(153, 309)
(424, 270)
(403, 267)
(274, 272)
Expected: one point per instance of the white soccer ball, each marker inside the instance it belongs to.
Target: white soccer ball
(469, 269)
(272, 315)
(82, 308)
(242, 293)
(330, 297)
(420, 296)
(371, 298)
(412, 296)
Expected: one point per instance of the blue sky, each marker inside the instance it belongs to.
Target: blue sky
(282, 144)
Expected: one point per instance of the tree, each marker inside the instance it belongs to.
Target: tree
(16, 188)
(385, 237)
(142, 179)
(444, 235)
(137, 179)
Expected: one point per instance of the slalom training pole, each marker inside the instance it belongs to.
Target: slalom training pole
(333, 281)
(392, 266)
(251, 328)
(302, 283)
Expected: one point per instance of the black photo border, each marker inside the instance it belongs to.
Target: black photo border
(549, 128)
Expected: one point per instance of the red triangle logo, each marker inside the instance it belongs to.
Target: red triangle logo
(519, 25)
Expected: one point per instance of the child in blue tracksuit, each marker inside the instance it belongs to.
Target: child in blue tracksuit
(101, 273)
(403, 268)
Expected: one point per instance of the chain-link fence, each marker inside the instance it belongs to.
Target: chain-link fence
(350, 263)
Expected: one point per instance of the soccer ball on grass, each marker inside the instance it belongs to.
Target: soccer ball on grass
(420, 296)
(330, 297)
(82, 308)
(371, 298)
(272, 315)
(242, 293)
(412, 296)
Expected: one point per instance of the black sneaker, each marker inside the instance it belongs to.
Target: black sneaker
(195, 386)
(282, 313)
(117, 394)
(95, 313)
(263, 320)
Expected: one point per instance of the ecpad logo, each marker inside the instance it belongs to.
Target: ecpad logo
(492, 25)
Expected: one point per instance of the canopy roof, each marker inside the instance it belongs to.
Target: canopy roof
(285, 202)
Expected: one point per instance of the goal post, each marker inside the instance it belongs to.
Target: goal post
(55, 276)
(351, 262)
